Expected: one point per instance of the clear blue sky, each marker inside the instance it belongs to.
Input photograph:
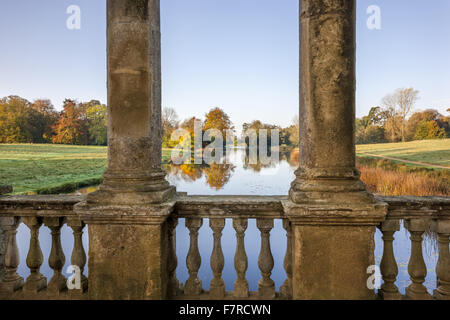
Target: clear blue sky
(241, 55)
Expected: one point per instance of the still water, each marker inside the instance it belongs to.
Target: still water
(235, 178)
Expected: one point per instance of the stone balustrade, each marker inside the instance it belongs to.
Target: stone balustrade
(420, 215)
(236, 210)
(35, 212)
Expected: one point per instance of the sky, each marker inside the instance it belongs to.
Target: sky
(240, 55)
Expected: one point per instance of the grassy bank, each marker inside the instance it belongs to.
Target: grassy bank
(49, 169)
(427, 152)
(390, 178)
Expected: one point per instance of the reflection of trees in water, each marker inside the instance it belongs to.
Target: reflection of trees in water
(289, 155)
(218, 175)
(186, 172)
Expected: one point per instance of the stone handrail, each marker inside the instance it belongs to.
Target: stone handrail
(419, 214)
(35, 211)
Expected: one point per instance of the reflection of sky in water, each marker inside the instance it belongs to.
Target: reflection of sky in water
(268, 181)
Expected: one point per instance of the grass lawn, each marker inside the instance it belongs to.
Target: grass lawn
(45, 168)
(435, 152)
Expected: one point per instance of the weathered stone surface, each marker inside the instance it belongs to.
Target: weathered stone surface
(327, 170)
(330, 262)
(127, 262)
(134, 174)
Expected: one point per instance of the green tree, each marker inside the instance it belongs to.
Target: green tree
(97, 117)
(429, 130)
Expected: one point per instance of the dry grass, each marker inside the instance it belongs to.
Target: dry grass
(398, 183)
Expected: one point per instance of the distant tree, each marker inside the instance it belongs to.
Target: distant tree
(257, 126)
(13, 118)
(217, 119)
(98, 124)
(429, 130)
(398, 107)
(370, 128)
(170, 122)
(71, 126)
(46, 118)
(417, 118)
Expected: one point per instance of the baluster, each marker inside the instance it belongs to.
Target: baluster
(217, 286)
(416, 267)
(266, 286)
(193, 260)
(388, 265)
(35, 281)
(174, 285)
(240, 259)
(57, 259)
(78, 257)
(11, 281)
(286, 288)
(442, 228)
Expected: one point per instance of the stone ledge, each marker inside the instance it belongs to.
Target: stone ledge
(230, 206)
(336, 214)
(223, 206)
(123, 214)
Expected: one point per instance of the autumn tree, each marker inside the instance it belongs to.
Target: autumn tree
(217, 119)
(22, 122)
(71, 126)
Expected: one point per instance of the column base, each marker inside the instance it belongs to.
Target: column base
(329, 186)
(217, 291)
(389, 295)
(35, 285)
(9, 286)
(440, 295)
(333, 246)
(132, 188)
(241, 289)
(410, 294)
(266, 290)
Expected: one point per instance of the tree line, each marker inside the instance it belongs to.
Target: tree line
(85, 123)
(22, 121)
(395, 121)
(217, 119)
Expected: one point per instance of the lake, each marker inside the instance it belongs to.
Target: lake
(238, 177)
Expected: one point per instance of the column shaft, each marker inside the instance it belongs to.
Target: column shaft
(327, 104)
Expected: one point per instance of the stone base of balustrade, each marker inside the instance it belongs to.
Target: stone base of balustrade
(127, 250)
(333, 246)
(45, 294)
(440, 295)
(414, 295)
(389, 295)
(8, 288)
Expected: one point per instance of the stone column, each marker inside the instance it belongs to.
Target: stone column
(333, 216)
(127, 216)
